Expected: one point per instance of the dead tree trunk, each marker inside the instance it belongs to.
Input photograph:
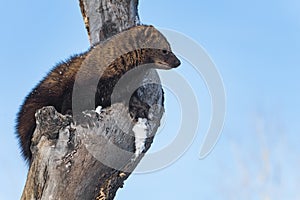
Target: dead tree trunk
(63, 166)
(105, 18)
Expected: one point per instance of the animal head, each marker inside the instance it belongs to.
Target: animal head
(161, 58)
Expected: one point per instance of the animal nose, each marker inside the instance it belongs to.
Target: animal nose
(177, 62)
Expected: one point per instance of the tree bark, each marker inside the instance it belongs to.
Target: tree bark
(66, 162)
(105, 18)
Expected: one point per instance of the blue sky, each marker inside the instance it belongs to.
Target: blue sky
(256, 47)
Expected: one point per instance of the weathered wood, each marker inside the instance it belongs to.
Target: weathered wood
(65, 162)
(105, 18)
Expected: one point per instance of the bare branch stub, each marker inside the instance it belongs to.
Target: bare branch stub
(105, 18)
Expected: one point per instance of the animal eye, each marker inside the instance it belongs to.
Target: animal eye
(164, 51)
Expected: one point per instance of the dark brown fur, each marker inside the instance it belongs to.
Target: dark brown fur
(56, 88)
